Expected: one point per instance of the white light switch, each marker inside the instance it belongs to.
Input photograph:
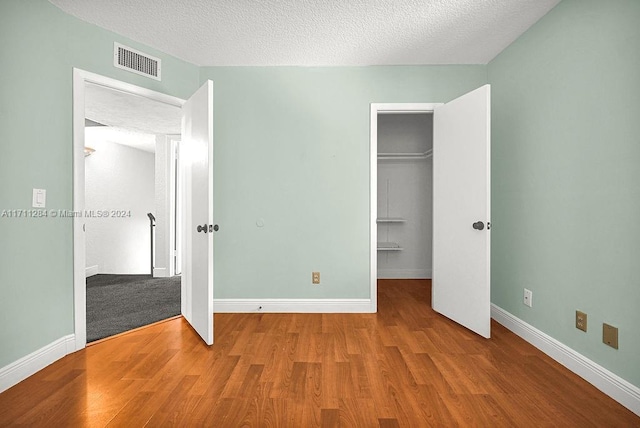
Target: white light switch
(39, 198)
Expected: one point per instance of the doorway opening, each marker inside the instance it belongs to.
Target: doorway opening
(125, 140)
(129, 214)
(405, 188)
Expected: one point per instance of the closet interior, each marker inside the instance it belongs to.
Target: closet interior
(405, 177)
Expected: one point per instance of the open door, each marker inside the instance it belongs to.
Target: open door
(196, 158)
(461, 211)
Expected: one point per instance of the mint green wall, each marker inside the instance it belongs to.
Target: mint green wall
(292, 148)
(566, 177)
(40, 45)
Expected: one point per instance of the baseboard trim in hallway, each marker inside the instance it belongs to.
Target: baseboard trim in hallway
(611, 384)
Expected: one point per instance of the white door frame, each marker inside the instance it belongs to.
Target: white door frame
(80, 79)
(382, 108)
(175, 248)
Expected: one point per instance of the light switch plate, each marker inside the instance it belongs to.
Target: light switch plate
(39, 198)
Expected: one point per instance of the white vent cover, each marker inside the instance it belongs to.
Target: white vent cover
(135, 61)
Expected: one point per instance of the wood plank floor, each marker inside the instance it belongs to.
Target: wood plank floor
(404, 366)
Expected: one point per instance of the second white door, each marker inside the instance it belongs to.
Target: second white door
(196, 158)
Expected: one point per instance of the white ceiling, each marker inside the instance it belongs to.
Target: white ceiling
(317, 32)
(131, 120)
(96, 135)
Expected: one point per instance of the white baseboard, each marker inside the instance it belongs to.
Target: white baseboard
(404, 273)
(26, 366)
(611, 384)
(91, 270)
(293, 305)
(160, 272)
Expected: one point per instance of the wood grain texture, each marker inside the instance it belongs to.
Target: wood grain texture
(405, 366)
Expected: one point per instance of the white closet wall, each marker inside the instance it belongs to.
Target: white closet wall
(404, 195)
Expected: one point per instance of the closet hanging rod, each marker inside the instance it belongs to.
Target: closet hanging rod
(400, 156)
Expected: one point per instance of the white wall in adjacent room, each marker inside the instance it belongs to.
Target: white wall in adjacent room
(119, 179)
(165, 197)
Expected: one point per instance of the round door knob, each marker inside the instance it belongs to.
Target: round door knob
(216, 227)
(478, 225)
(203, 228)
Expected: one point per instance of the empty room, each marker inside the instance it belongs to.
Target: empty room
(376, 213)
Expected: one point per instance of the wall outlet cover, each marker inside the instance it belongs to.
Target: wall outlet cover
(581, 321)
(610, 335)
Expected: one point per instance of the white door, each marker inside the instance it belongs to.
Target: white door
(461, 210)
(196, 157)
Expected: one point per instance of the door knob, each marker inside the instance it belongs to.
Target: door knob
(215, 227)
(478, 225)
(204, 228)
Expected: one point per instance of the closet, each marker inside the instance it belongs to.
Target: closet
(405, 170)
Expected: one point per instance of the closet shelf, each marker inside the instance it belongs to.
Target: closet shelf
(390, 220)
(389, 246)
(405, 156)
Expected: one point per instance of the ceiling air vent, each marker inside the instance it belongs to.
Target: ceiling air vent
(135, 61)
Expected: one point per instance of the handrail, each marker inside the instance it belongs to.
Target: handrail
(152, 224)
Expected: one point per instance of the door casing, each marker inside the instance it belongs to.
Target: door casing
(382, 108)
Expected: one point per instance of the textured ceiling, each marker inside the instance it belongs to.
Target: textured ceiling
(317, 32)
(131, 120)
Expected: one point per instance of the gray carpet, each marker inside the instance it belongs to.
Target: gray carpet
(118, 303)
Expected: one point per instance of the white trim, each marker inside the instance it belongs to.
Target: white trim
(30, 364)
(404, 108)
(382, 108)
(91, 271)
(293, 305)
(80, 79)
(79, 250)
(404, 273)
(172, 143)
(611, 384)
(373, 207)
(160, 272)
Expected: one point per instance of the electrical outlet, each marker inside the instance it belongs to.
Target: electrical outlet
(581, 321)
(610, 335)
(528, 298)
(315, 277)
